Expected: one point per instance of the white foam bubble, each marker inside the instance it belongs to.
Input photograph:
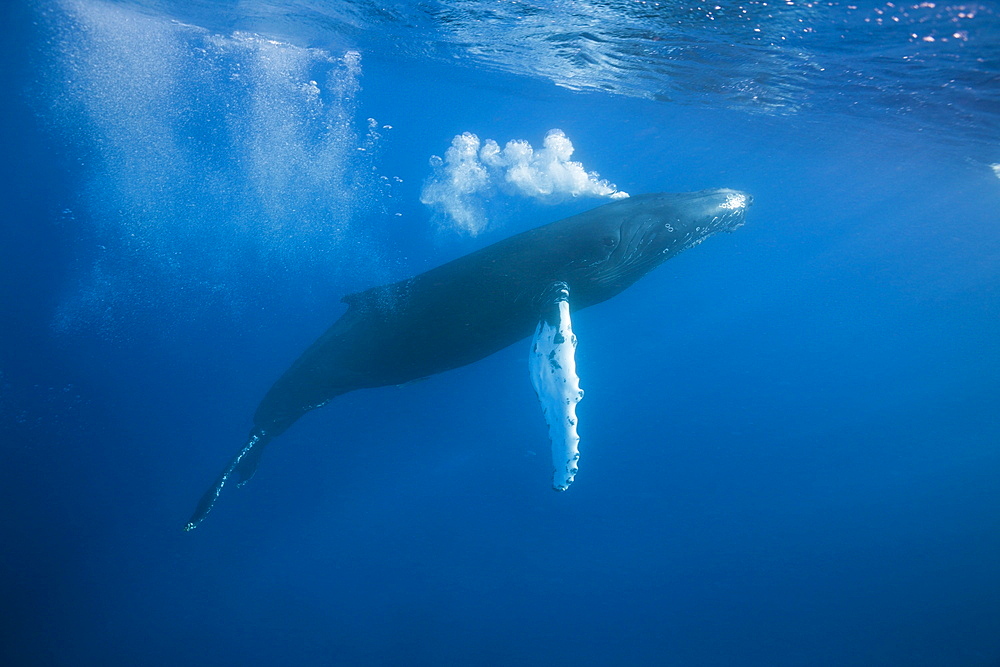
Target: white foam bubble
(472, 170)
(459, 181)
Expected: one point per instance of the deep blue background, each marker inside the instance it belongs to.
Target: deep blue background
(789, 435)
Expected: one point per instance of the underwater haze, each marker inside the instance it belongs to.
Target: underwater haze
(790, 438)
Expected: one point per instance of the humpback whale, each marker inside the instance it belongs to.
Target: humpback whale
(469, 308)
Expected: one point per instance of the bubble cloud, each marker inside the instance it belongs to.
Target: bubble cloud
(472, 171)
(215, 163)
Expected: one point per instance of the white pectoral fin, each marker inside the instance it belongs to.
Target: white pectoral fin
(552, 364)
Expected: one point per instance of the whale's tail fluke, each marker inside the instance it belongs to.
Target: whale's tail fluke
(243, 466)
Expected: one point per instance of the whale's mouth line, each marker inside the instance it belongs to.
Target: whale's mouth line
(731, 220)
(636, 261)
(633, 256)
(637, 257)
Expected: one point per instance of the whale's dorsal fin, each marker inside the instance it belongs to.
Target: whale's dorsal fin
(552, 364)
(380, 298)
(357, 299)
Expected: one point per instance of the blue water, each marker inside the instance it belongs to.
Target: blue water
(790, 433)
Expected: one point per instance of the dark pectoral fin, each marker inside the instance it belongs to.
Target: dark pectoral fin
(243, 466)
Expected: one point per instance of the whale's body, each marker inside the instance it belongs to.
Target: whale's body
(475, 305)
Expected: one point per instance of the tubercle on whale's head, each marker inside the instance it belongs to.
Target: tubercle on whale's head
(688, 216)
(649, 229)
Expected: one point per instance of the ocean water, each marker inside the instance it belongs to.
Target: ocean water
(790, 446)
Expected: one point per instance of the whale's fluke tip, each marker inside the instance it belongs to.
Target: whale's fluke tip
(244, 464)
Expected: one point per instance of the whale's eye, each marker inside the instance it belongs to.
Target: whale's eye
(609, 241)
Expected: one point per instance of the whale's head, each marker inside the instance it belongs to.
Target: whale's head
(639, 233)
